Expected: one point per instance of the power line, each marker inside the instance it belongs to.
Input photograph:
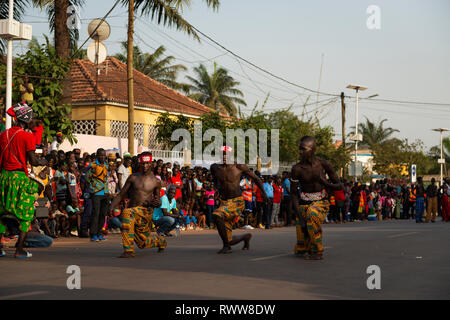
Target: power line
(208, 59)
(259, 68)
(178, 44)
(93, 32)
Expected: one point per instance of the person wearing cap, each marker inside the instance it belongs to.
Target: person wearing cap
(137, 220)
(57, 141)
(227, 179)
(17, 147)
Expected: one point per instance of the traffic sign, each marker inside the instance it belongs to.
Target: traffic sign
(413, 173)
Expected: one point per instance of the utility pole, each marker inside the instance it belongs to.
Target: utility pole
(343, 126)
(343, 118)
(8, 103)
(130, 77)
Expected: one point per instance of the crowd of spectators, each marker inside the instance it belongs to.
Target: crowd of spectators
(80, 187)
(387, 200)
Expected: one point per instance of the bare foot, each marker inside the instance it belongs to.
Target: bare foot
(126, 255)
(225, 250)
(247, 238)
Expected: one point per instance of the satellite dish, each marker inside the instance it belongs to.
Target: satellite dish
(103, 31)
(96, 52)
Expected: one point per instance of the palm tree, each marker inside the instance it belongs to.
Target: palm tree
(217, 91)
(168, 12)
(374, 133)
(156, 66)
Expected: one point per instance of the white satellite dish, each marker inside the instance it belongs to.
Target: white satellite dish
(102, 30)
(96, 52)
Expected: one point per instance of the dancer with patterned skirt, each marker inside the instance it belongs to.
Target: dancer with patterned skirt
(137, 224)
(227, 179)
(311, 206)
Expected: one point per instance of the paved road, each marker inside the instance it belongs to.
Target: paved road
(414, 261)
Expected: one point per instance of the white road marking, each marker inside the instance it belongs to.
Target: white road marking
(271, 257)
(21, 295)
(402, 234)
(277, 256)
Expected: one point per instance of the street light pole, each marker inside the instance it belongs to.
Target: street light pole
(442, 159)
(356, 137)
(9, 68)
(356, 130)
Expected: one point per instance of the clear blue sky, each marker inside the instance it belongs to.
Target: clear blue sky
(407, 59)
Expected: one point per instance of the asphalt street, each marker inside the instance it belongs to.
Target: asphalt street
(414, 260)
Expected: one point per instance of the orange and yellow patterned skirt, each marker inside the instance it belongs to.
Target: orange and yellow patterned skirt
(314, 214)
(139, 222)
(230, 211)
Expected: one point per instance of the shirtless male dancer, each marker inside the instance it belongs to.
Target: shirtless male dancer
(312, 207)
(144, 193)
(227, 179)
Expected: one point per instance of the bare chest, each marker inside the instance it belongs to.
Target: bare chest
(228, 174)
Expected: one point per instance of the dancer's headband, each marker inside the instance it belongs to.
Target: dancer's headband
(145, 158)
(226, 149)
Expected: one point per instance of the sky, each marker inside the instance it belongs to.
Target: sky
(406, 59)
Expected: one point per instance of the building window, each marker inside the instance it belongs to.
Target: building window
(152, 140)
(84, 126)
(120, 129)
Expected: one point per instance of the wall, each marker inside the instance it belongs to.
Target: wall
(90, 144)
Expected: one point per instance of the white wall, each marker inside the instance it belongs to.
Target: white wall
(90, 143)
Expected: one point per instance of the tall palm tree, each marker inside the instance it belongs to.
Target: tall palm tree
(374, 133)
(168, 12)
(446, 147)
(156, 66)
(217, 91)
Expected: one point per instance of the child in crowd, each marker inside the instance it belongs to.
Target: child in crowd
(209, 196)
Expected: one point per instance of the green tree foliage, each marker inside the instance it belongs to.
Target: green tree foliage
(216, 90)
(166, 124)
(45, 70)
(168, 12)
(374, 133)
(156, 65)
(393, 156)
(291, 129)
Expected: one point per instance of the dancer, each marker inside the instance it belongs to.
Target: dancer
(312, 207)
(227, 179)
(144, 191)
(17, 191)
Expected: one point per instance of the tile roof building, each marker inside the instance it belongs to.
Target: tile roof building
(102, 98)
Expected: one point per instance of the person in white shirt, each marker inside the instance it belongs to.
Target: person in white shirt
(124, 171)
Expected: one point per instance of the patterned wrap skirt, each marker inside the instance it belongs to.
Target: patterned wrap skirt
(17, 196)
(309, 240)
(139, 221)
(230, 211)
